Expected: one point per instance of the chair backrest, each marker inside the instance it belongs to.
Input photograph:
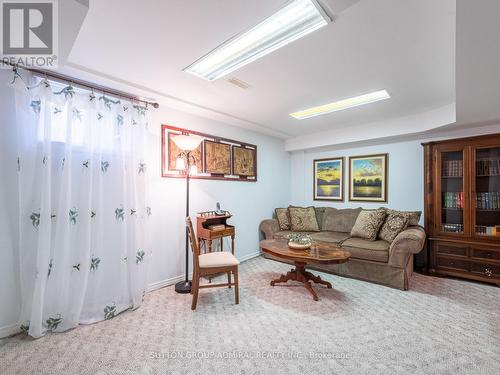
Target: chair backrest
(194, 243)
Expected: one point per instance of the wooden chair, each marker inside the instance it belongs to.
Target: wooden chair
(211, 264)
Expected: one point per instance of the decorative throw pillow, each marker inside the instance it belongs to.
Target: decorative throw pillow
(283, 218)
(303, 219)
(413, 216)
(394, 223)
(368, 224)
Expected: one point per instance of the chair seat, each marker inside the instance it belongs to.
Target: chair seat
(218, 259)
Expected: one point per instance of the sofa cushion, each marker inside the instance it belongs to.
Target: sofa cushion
(334, 237)
(368, 250)
(320, 212)
(368, 224)
(413, 216)
(394, 223)
(303, 219)
(283, 218)
(339, 220)
(283, 234)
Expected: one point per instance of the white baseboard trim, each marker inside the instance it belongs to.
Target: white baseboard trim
(167, 282)
(250, 256)
(164, 283)
(9, 330)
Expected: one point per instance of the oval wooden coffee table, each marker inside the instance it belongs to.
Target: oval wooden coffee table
(319, 253)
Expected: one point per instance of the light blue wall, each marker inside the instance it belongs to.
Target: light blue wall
(248, 202)
(405, 173)
(9, 263)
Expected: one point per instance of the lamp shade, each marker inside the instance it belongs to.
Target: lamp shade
(187, 142)
(180, 164)
(193, 170)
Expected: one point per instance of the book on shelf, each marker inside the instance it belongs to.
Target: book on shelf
(453, 199)
(484, 230)
(452, 168)
(488, 167)
(488, 200)
(452, 228)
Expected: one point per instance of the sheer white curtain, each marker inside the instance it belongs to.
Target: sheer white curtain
(83, 205)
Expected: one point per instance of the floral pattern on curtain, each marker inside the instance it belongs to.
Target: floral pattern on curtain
(83, 205)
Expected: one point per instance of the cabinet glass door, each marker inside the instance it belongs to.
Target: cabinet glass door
(487, 192)
(452, 192)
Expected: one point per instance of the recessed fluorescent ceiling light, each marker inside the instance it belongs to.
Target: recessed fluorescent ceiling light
(297, 19)
(342, 104)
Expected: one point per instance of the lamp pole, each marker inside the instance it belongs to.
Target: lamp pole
(187, 143)
(185, 286)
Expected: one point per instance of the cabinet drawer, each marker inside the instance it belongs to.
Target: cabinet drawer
(452, 249)
(456, 264)
(486, 254)
(486, 270)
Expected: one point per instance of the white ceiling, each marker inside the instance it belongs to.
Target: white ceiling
(478, 62)
(406, 47)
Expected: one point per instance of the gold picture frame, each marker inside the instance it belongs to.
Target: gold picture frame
(368, 178)
(328, 179)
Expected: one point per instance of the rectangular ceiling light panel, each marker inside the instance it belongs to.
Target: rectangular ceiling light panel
(342, 104)
(297, 19)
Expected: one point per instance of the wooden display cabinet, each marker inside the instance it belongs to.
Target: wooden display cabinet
(462, 207)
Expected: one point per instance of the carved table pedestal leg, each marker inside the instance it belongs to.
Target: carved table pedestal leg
(300, 274)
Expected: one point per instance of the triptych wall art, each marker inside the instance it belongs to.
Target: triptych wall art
(367, 178)
(216, 157)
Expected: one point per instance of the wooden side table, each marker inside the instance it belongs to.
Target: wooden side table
(205, 220)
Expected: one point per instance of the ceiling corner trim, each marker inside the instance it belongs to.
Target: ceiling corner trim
(171, 101)
(402, 126)
(83, 2)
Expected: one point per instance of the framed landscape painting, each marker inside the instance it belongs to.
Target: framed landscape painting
(329, 179)
(368, 178)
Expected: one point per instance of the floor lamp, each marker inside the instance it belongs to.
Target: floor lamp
(186, 163)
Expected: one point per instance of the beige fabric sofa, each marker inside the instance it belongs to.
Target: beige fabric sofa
(378, 261)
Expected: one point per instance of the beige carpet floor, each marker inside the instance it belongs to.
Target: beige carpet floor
(440, 326)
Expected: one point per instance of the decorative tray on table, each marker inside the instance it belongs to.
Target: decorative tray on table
(299, 241)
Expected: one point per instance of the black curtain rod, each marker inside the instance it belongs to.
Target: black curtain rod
(86, 84)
